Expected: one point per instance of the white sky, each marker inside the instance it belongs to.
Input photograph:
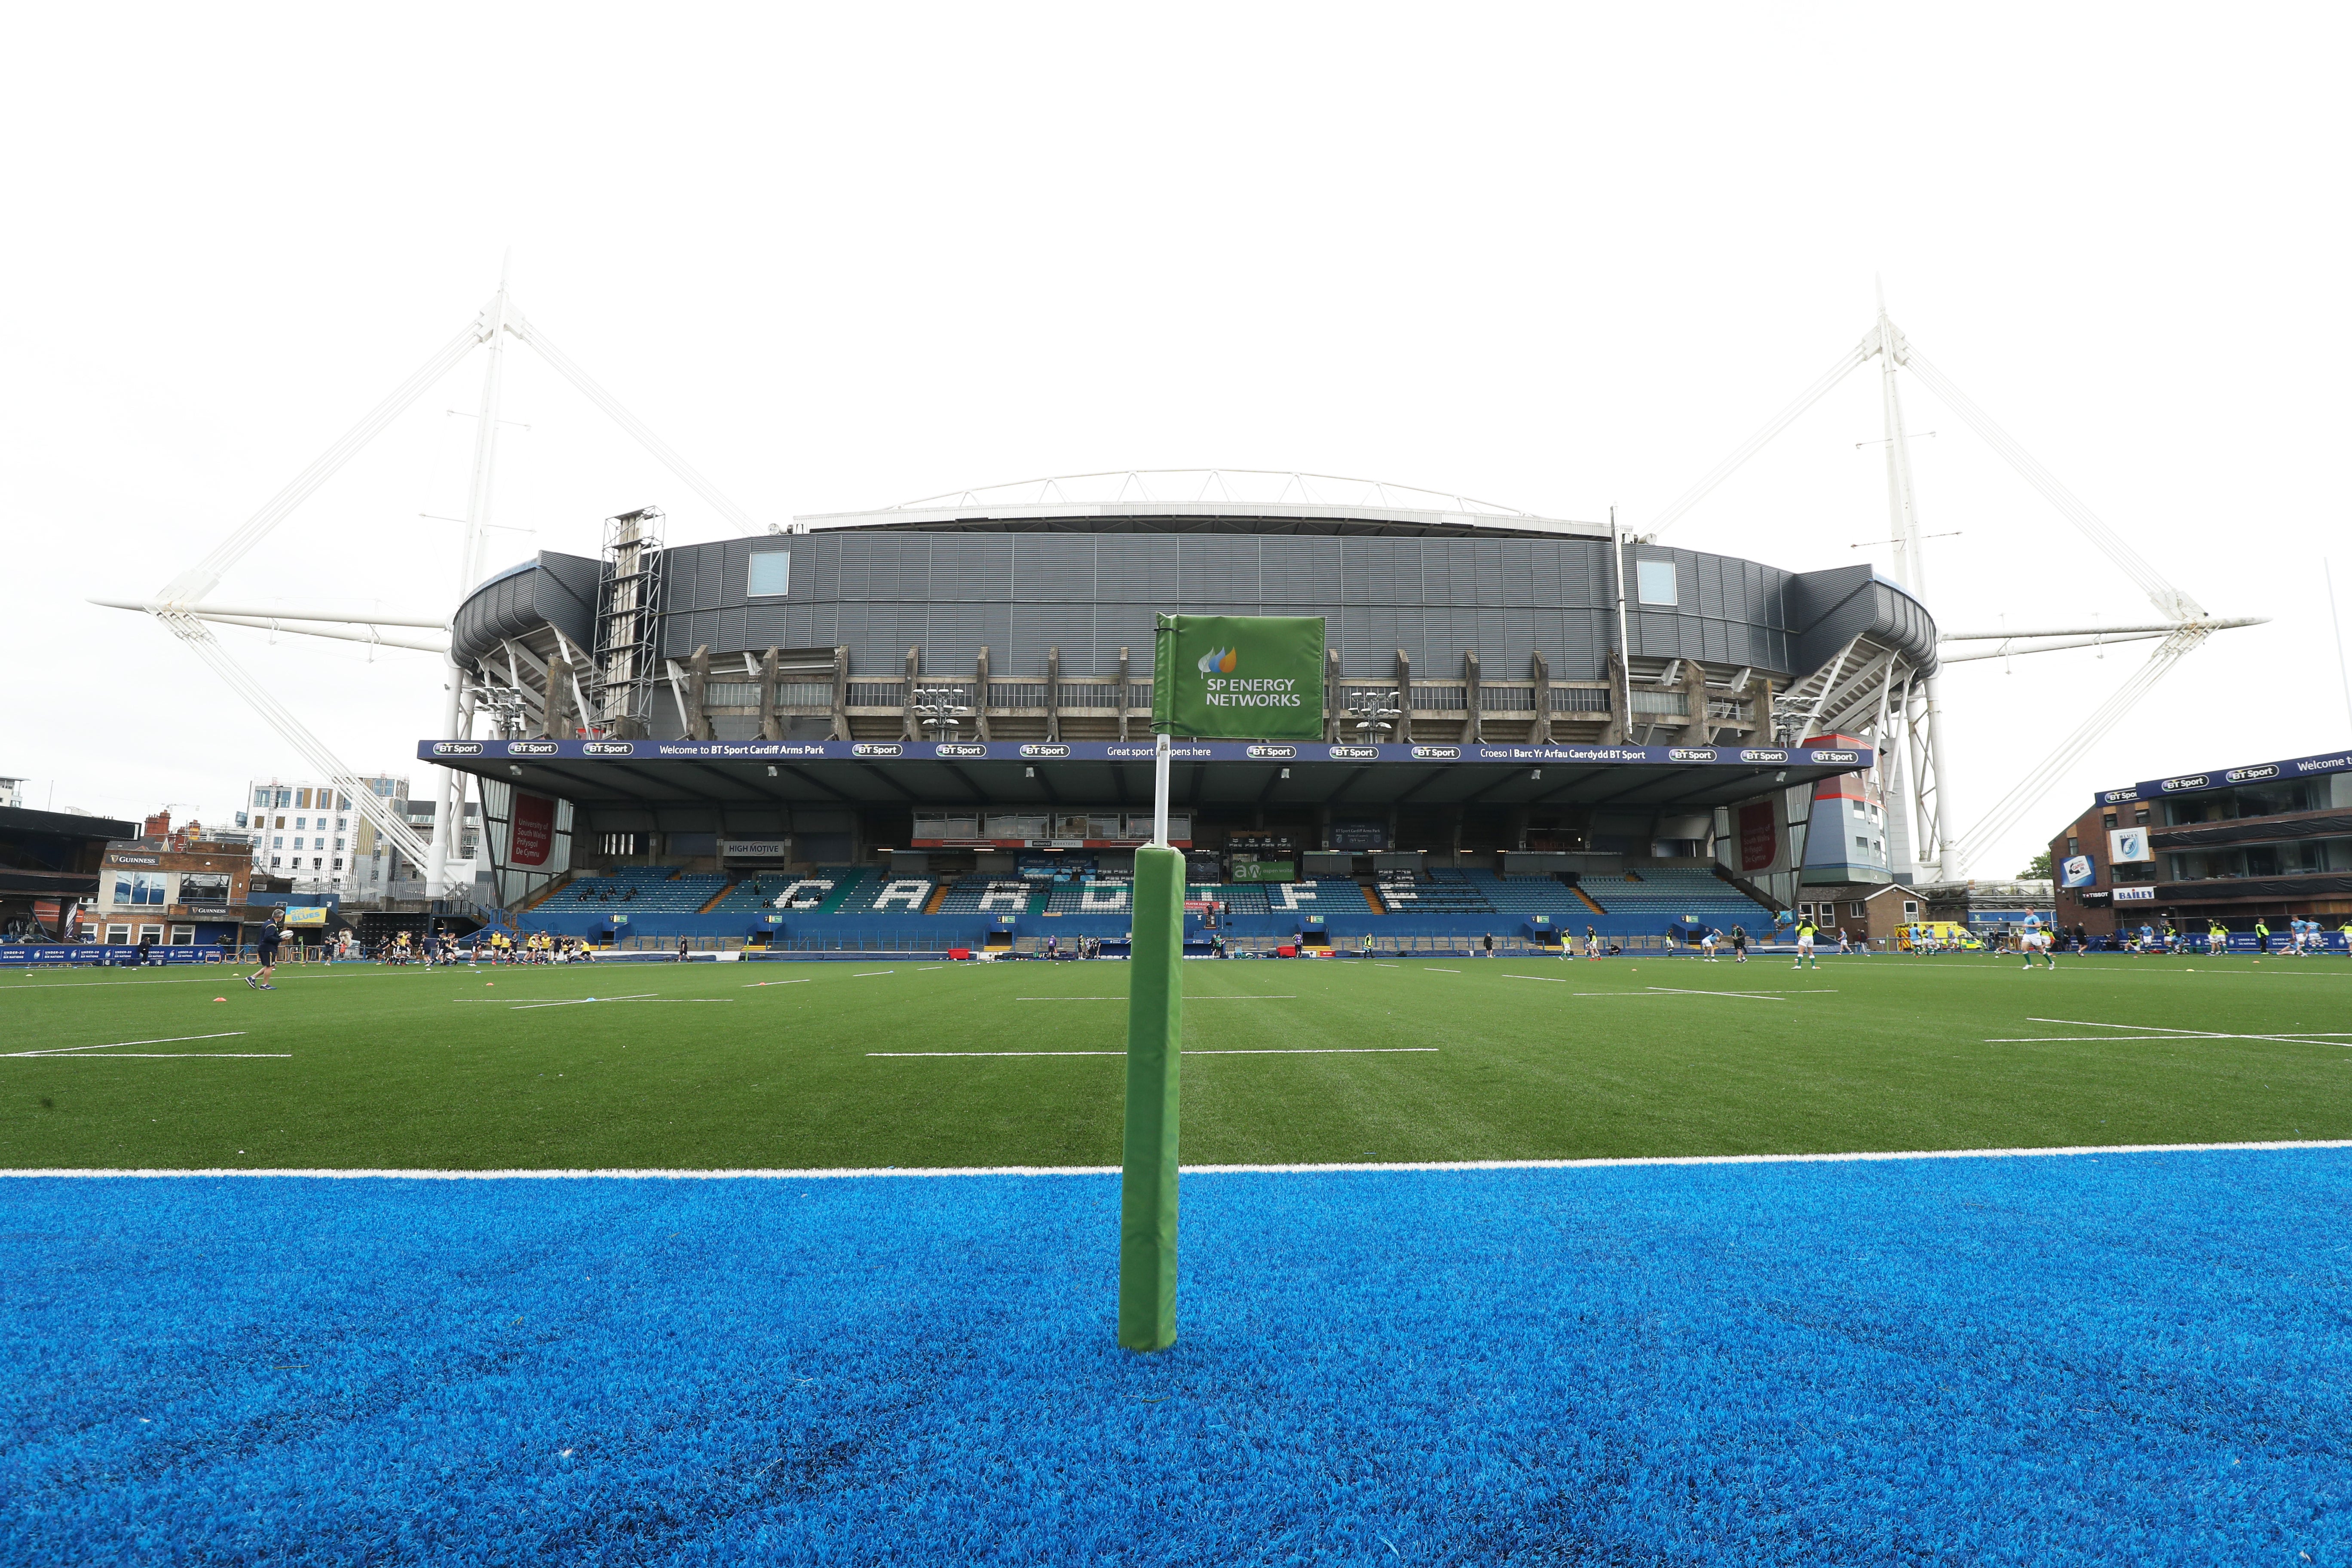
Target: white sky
(1558, 258)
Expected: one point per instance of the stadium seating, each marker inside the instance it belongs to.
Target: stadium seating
(637, 889)
(1239, 897)
(1655, 898)
(1447, 892)
(988, 896)
(1526, 895)
(887, 895)
(1095, 896)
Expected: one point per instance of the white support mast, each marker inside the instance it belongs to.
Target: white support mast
(1929, 797)
(2186, 624)
(179, 604)
(454, 710)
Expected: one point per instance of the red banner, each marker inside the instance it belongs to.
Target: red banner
(1759, 836)
(535, 829)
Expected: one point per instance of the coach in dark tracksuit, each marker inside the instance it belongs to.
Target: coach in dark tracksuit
(266, 949)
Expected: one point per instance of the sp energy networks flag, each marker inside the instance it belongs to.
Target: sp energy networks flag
(1238, 678)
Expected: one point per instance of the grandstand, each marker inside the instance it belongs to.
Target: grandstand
(769, 777)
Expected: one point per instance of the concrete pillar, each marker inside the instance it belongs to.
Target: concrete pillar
(979, 693)
(698, 681)
(772, 723)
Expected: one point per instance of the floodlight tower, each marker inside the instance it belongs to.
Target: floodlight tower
(1929, 794)
(455, 717)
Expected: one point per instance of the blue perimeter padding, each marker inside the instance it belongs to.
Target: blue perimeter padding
(2095, 1360)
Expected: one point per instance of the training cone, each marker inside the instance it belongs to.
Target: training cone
(220, 998)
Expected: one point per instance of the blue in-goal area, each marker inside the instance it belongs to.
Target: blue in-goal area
(2116, 1359)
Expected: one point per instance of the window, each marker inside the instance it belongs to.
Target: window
(2109, 819)
(183, 936)
(2073, 845)
(274, 862)
(772, 573)
(1861, 840)
(301, 822)
(2139, 816)
(314, 862)
(150, 934)
(620, 844)
(339, 843)
(1856, 912)
(339, 859)
(1656, 584)
(280, 843)
(342, 825)
(1910, 910)
(281, 822)
(141, 887)
(1804, 911)
(118, 936)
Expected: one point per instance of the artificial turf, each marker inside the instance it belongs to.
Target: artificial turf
(2091, 1359)
(771, 1065)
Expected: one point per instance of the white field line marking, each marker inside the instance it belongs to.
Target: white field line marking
(2312, 1039)
(584, 1001)
(753, 1173)
(870, 974)
(166, 1056)
(756, 983)
(1433, 969)
(166, 1040)
(1379, 964)
(1264, 1051)
(1290, 997)
(2160, 1031)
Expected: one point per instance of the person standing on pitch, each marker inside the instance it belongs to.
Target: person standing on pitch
(1490, 945)
(1806, 932)
(265, 949)
(2037, 945)
(1739, 945)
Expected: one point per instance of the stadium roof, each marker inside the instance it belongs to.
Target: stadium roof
(1254, 501)
(1105, 773)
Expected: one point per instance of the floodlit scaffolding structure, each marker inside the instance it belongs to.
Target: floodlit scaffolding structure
(182, 606)
(1876, 693)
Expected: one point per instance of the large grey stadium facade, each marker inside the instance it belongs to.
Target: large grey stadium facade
(1498, 683)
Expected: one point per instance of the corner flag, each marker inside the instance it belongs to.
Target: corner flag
(1256, 678)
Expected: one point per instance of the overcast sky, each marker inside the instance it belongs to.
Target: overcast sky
(1558, 258)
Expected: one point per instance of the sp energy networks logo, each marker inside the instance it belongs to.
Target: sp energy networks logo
(1227, 687)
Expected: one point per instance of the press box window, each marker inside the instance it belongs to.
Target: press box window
(772, 573)
(1656, 581)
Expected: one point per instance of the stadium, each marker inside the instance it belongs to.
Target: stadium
(818, 1248)
(925, 729)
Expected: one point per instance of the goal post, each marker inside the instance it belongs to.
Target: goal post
(1255, 677)
(1155, 1029)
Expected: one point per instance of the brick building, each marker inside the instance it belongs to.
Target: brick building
(2260, 841)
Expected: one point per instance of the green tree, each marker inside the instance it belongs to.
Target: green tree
(2036, 869)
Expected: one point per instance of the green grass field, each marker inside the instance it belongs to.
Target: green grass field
(734, 1065)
